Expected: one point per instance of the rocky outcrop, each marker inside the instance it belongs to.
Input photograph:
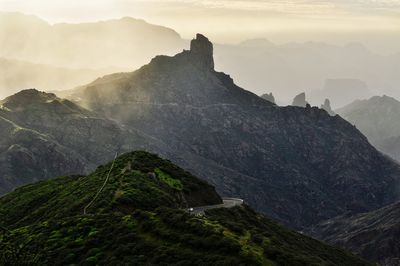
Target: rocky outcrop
(327, 107)
(300, 100)
(202, 51)
(269, 97)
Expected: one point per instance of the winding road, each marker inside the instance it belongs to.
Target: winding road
(227, 203)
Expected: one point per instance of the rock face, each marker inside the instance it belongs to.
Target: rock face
(378, 119)
(297, 165)
(327, 107)
(374, 235)
(269, 97)
(202, 51)
(300, 100)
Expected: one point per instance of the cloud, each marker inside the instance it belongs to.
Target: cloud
(227, 20)
(288, 6)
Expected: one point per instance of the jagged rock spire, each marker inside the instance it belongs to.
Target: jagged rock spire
(202, 49)
(327, 107)
(300, 100)
(269, 97)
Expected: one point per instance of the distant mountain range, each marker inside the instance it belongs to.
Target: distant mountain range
(141, 218)
(289, 69)
(378, 119)
(124, 42)
(340, 92)
(257, 64)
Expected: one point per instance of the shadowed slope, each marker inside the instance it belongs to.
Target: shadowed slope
(298, 165)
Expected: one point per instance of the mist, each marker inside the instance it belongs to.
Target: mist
(287, 52)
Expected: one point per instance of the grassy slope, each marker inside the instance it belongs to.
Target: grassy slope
(138, 220)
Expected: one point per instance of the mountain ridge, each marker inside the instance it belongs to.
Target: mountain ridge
(282, 149)
(296, 159)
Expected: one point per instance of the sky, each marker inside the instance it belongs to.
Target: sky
(374, 22)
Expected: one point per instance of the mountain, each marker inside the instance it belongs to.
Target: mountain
(138, 217)
(377, 118)
(297, 165)
(373, 235)
(100, 44)
(16, 75)
(44, 136)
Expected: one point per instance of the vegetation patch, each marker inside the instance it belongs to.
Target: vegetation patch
(137, 220)
(169, 180)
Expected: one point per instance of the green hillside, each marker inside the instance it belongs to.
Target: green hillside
(139, 218)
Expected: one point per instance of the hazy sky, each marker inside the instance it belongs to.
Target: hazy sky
(230, 21)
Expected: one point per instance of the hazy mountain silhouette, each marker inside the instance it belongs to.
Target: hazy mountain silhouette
(17, 75)
(289, 68)
(124, 42)
(298, 165)
(255, 64)
(378, 119)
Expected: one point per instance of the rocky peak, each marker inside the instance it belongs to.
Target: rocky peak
(327, 107)
(300, 100)
(269, 97)
(202, 51)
